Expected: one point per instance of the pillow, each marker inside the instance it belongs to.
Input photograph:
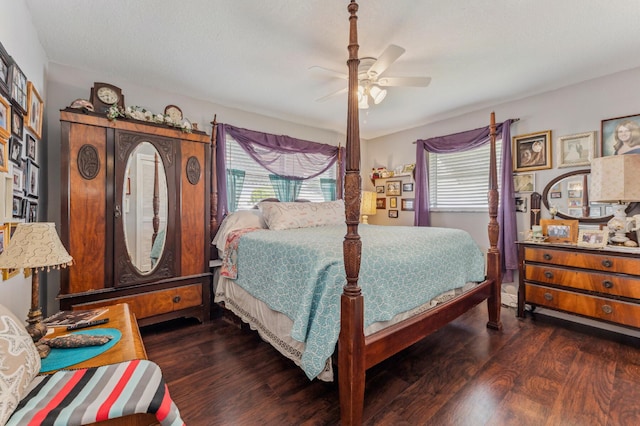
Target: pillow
(302, 215)
(19, 362)
(237, 220)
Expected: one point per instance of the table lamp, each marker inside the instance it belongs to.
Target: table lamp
(35, 246)
(367, 205)
(616, 179)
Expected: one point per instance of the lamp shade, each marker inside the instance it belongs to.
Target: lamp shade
(34, 245)
(377, 94)
(615, 179)
(368, 203)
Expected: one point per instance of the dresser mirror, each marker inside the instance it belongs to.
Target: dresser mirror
(569, 195)
(144, 207)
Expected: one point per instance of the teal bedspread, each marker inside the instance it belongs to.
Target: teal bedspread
(300, 272)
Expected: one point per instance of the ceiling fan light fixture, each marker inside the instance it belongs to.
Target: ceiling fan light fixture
(363, 103)
(361, 93)
(377, 94)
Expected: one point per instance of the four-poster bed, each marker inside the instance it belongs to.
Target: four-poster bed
(357, 349)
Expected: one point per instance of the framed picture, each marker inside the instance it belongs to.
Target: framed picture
(380, 189)
(5, 65)
(18, 180)
(393, 214)
(560, 231)
(524, 182)
(10, 228)
(393, 202)
(620, 135)
(31, 180)
(574, 193)
(408, 204)
(31, 211)
(35, 110)
(532, 151)
(5, 118)
(521, 204)
(576, 150)
(15, 151)
(17, 209)
(407, 187)
(574, 211)
(394, 187)
(32, 148)
(3, 237)
(18, 87)
(407, 169)
(594, 238)
(4, 155)
(17, 122)
(381, 203)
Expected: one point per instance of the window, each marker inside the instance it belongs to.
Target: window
(459, 181)
(257, 185)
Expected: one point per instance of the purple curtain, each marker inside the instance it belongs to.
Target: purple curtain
(281, 155)
(464, 141)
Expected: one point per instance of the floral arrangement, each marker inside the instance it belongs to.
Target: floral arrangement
(141, 114)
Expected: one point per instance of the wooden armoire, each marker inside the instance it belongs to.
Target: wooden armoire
(135, 217)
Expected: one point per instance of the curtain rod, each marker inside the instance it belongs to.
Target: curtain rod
(513, 120)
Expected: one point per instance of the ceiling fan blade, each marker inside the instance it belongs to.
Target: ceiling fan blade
(404, 81)
(332, 95)
(389, 56)
(331, 72)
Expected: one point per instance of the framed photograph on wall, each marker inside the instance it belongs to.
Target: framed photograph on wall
(408, 204)
(380, 189)
(5, 65)
(593, 238)
(18, 87)
(31, 180)
(393, 214)
(5, 118)
(576, 150)
(381, 203)
(17, 209)
(35, 110)
(31, 211)
(620, 135)
(407, 187)
(560, 231)
(17, 123)
(524, 182)
(531, 151)
(393, 202)
(4, 155)
(32, 148)
(15, 151)
(521, 204)
(394, 187)
(18, 180)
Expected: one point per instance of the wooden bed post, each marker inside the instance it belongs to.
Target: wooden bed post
(351, 362)
(213, 196)
(493, 255)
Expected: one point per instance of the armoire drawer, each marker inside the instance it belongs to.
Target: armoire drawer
(152, 303)
(618, 285)
(580, 259)
(591, 306)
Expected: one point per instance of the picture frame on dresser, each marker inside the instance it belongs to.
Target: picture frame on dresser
(593, 238)
(620, 135)
(560, 231)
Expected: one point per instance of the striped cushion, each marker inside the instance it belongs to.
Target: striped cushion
(77, 397)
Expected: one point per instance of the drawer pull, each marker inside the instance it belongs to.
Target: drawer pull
(607, 263)
(548, 274)
(548, 297)
(607, 309)
(176, 299)
(607, 284)
(547, 256)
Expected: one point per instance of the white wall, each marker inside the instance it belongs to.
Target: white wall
(20, 40)
(574, 109)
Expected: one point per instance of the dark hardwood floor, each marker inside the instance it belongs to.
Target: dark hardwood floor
(537, 371)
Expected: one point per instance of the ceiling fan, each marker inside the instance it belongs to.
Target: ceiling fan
(371, 82)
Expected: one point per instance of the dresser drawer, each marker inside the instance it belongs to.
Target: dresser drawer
(580, 259)
(618, 285)
(591, 306)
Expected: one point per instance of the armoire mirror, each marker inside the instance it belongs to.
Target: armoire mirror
(144, 205)
(569, 194)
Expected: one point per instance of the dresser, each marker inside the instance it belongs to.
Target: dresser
(601, 284)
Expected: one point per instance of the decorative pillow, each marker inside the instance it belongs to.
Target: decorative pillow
(19, 362)
(302, 215)
(237, 220)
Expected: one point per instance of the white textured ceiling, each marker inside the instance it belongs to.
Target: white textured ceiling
(256, 55)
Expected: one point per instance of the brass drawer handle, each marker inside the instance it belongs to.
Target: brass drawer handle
(607, 263)
(176, 299)
(548, 297)
(607, 284)
(607, 309)
(547, 256)
(548, 274)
